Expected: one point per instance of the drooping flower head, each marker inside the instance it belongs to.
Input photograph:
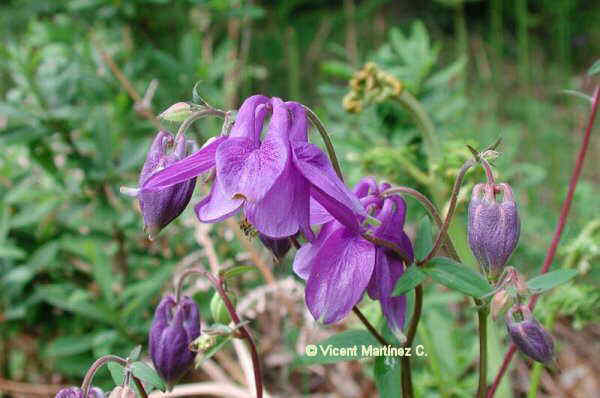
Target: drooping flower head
(271, 178)
(160, 208)
(493, 228)
(340, 265)
(174, 327)
(76, 392)
(528, 335)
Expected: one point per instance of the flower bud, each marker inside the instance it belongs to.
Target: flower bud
(218, 308)
(500, 303)
(76, 392)
(160, 208)
(177, 112)
(494, 228)
(174, 327)
(122, 392)
(528, 335)
(279, 247)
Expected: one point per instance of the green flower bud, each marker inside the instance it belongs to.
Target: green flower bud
(218, 308)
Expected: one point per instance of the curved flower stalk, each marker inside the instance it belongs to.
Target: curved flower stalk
(271, 178)
(340, 264)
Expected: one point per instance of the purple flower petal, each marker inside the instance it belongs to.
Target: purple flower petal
(185, 169)
(284, 209)
(366, 186)
(392, 216)
(299, 129)
(318, 214)
(216, 206)
(326, 187)
(394, 310)
(304, 256)
(340, 272)
(248, 171)
(246, 125)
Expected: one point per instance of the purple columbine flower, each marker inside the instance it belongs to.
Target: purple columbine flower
(76, 392)
(174, 327)
(272, 177)
(339, 265)
(160, 208)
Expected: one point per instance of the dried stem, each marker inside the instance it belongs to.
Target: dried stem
(559, 228)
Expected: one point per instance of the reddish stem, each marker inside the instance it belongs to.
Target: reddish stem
(559, 229)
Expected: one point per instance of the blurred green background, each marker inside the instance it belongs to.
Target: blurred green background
(78, 277)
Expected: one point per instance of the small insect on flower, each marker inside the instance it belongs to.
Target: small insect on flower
(494, 227)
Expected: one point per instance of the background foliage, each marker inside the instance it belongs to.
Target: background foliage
(78, 276)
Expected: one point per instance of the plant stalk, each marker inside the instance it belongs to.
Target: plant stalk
(559, 228)
(482, 315)
(243, 330)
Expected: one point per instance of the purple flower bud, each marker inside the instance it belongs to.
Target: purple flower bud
(160, 208)
(279, 247)
(75, 392)
(174, 327)
(528, 335)
(494, 228)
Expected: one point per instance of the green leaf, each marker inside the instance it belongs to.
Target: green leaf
(145, 373)
(135, 353)
(594, 69)
(237, 270)
(456, 276)
(412, 277)
(117, 372)
(77, 301)
(388, 377)
(552, 279)
(10, 251)
(424, 240)
(345, 346)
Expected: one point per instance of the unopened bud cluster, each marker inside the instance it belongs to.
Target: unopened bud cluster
(369, 85)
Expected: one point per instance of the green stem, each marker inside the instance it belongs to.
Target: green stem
(482, 315)
(369, 326)
(423, 120)
(195, 116)
(453, 199)
(325, 136)
(433, 212)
